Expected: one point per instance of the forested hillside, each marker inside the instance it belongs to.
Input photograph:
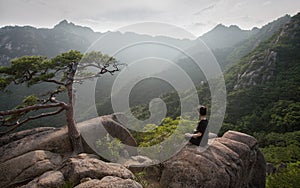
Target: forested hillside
(263, 87)
(263, 99)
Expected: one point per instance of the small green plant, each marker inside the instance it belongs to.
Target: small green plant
(109, 147)
(68, 184)
(140, 177)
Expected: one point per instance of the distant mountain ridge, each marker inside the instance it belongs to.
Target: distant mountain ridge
(16, 41)
(245, 47)
(28, 40)
(224, 37)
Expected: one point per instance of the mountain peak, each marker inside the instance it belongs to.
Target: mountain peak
(63, 24)
(70, 26)
(221, 27)
(223, 36)
(235, 27)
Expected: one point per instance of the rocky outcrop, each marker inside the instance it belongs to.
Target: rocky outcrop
(25, 167)
(96, 128)
(231, 161)
(57, 140)
(260, 69)
(41, 169)
(84, 166)
(138, 163)
(48, 179)
(41, 158)
(54, 140)
(22, 134)
(110, 181)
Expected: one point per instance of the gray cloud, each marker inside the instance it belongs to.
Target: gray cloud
(129, 14)
(103, 15)
(251, 19)
(204, 10)
(266, 3)
(198, 24)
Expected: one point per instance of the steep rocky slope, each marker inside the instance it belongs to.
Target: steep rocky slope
(265, 83)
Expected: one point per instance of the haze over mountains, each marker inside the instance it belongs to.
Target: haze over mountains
(18, 41)
(261, 69)
(228, 45)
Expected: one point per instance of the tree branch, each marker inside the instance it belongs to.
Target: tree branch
(18, 124)
(103, 69)
(50, 96)
(55, 81)
(83, 66)
(34, 107)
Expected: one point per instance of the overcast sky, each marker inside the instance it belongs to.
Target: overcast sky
(196, 16)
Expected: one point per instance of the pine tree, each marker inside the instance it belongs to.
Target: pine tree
(63, 71)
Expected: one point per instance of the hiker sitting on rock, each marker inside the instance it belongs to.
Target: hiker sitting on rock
(200, 136)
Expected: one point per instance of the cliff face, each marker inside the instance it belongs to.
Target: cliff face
(271, 57)
(40, 158)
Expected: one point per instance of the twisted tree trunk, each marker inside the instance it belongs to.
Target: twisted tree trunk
(73, 132)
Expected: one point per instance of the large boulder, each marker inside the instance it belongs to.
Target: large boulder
(85, 166)
(231, 161)
(97, 128)
(110, 181)
(21, 134)
(28, 166)
(138, 163)
(56, 139)
(47, 180)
